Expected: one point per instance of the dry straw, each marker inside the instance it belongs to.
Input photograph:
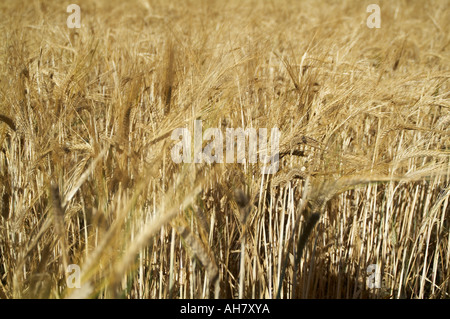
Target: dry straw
(87, 178)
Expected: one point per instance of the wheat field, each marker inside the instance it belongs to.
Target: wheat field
(87, 177)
